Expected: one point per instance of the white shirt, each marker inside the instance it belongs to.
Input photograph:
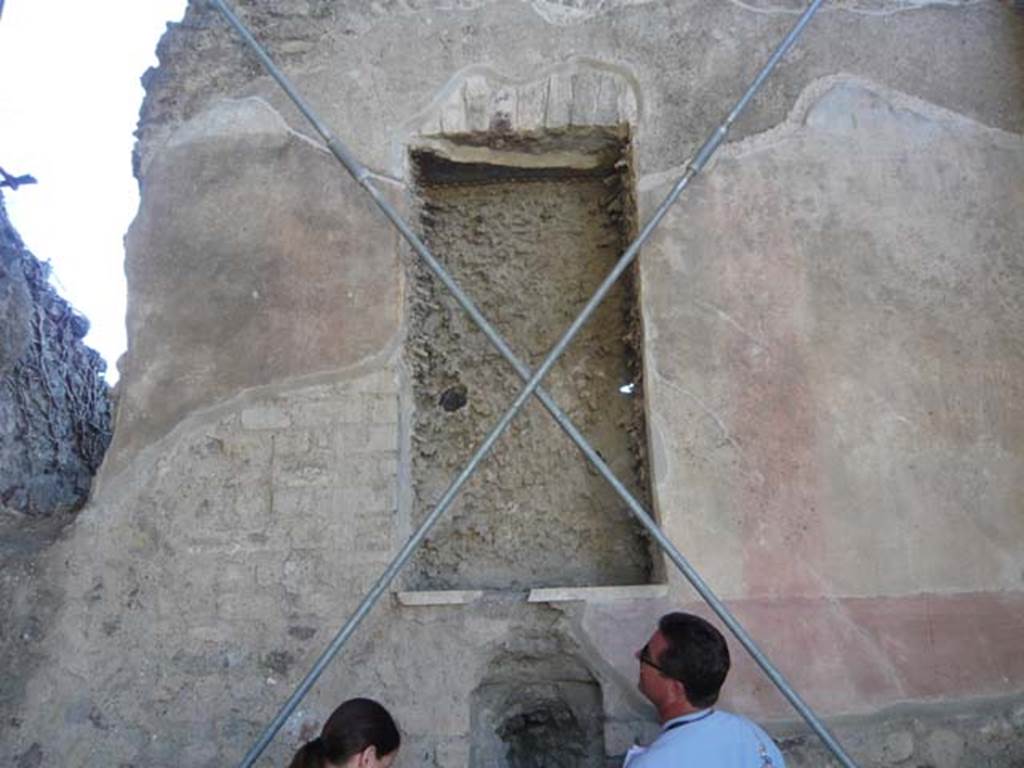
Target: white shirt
(710, 738)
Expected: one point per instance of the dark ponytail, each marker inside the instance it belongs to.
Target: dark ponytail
(310, 755)
(351, 728)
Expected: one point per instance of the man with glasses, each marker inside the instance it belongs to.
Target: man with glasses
(682, 669)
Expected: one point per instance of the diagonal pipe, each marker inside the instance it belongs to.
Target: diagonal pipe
(362, 176)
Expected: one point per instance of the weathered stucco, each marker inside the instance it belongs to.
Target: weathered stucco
(833, 320)
(239, 272)
(833, 370)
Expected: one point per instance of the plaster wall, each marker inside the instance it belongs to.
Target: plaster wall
(832, 368)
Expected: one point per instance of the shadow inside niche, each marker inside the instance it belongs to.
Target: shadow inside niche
(538, 713)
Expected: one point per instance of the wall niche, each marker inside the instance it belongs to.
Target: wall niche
(528, 224)
(537, 710)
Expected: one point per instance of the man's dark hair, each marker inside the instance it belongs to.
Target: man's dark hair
(696, 656)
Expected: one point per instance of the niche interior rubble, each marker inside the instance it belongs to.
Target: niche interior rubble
(528, 225)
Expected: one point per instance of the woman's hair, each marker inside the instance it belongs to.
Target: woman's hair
(351, 728)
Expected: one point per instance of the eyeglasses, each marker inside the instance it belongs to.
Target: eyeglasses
(645, 658)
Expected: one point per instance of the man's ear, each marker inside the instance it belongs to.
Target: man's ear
(678, 690)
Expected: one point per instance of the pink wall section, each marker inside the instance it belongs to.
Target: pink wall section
(847, 656)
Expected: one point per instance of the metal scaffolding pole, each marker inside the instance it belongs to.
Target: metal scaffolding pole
(362, 175)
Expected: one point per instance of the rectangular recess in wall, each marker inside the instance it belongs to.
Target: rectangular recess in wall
(528, 225)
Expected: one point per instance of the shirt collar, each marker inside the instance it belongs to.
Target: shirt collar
(700, 714)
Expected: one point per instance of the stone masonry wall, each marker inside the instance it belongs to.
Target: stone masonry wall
(55, 420)
(54, 429)
(530, 253)
(278, 487)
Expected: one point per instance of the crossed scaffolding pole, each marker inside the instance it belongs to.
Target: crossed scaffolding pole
(532, 387)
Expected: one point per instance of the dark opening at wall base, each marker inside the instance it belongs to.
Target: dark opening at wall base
(535, 711)
(528, 226)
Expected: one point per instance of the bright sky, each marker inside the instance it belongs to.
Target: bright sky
(69, 102)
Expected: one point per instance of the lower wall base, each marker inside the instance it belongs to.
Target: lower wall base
(969, 734)
(185, 605)
(965, 734)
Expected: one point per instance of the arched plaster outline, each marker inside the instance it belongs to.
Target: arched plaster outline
(903, 6)
(190, 131)
(111, 484)
(561, 16)
(808, 99)
(413, 126)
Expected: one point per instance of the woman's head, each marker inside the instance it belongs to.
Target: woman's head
(358, 734)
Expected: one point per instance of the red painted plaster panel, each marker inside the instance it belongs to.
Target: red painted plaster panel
(849, 655)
